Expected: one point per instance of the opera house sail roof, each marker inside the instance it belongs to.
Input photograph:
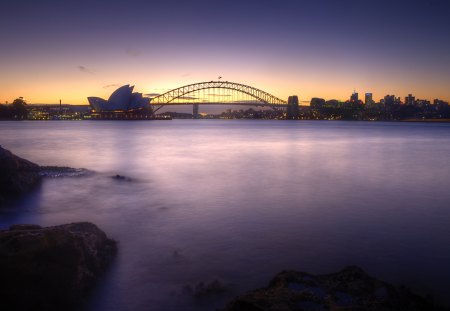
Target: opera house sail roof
(122, 99)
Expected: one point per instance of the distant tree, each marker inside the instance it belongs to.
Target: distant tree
(19, 109)
(4, 112)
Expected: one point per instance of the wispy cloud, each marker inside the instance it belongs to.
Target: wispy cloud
(188, 97)
(185, 75)
(152, 94)
(84, 69)
(110, 85)
(133, 52)
(223, 95)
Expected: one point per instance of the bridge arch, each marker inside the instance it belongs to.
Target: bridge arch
(261, 96)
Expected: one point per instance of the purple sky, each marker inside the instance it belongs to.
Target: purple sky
(51, 50)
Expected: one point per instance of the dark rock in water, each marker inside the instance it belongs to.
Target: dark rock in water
(121, 177)
(202, 289)
(350, 289)
(62, 171)
(17, 175)
(51, 268)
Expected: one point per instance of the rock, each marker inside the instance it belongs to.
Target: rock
(17, 175)
(121, 177)
(24, 227)
(62, 171)
(350, 289)
(51, 268)
(203, 289)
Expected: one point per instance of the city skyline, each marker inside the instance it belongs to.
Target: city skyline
(52, 51)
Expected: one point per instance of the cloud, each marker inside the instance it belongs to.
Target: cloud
(84, 69)
(185, 75)
(110, 85)
(187, 97)
(133, 52)
(224, 95)
(152, 94)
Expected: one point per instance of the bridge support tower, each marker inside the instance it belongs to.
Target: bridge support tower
(292, 108)
(195, 111)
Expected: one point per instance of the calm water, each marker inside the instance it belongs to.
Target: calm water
(241, 200)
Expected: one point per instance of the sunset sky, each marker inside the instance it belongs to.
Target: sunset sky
(51, 50)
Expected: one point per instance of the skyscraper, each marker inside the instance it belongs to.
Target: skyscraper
(389, 100)
(368, 99)
(410, 100)
(354, 97)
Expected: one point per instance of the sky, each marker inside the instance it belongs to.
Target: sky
(69, 50)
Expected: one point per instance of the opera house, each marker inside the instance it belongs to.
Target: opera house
(122, 104)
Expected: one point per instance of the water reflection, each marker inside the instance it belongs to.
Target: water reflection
(241, 200)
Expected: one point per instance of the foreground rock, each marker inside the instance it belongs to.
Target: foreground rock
(62, 171)
(17, 175)
(349, 289)
(203, 289)
(51, 268)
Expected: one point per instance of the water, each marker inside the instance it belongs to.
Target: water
(239, 201)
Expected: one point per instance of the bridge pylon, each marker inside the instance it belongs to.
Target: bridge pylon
(292, 112)
(195, 111)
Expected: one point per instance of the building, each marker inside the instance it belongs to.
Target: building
(317, 102)
(354, 97)
(368, 99)
(390, 100)
(410, 100)
(122, 104)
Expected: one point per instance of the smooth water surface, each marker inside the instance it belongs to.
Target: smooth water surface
(239, 201)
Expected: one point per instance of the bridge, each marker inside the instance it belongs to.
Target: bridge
(217, 93)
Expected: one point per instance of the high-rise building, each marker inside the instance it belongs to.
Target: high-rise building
(410, 100)
(389, 100)
(368, 99)
(354, 97)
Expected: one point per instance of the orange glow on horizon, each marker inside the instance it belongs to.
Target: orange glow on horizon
(74, 88)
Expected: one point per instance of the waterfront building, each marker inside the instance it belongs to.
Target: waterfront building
(122, 104)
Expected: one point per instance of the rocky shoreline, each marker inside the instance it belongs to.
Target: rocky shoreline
(51, 268)
(18, 176)
(350, 289)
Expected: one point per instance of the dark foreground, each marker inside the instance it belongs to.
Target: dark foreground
(349, 289)
(51, 268)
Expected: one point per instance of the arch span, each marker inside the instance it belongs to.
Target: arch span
(262, 97)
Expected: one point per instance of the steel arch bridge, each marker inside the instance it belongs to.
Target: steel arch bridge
(182, 96)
